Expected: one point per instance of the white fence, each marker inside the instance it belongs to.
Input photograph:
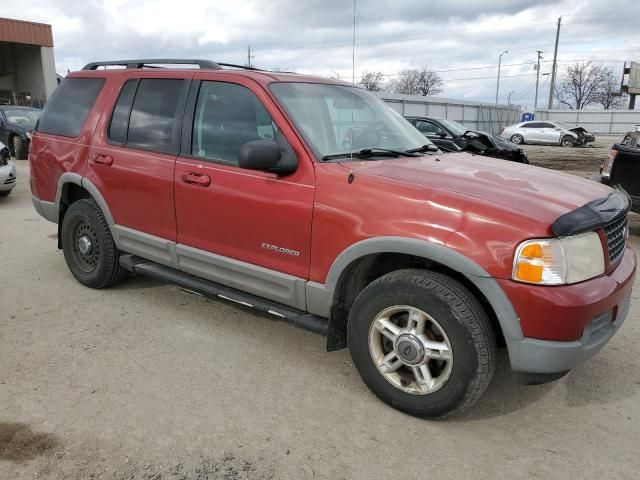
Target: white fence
(596, 121)
(487, 117)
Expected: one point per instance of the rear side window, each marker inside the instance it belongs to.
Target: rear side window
(67, 109)
(153, 114)
(120, 117)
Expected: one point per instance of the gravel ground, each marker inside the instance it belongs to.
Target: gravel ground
(146, 381)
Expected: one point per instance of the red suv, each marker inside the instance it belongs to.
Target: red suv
(314, 201)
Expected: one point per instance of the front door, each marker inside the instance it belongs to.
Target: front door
(244, 228)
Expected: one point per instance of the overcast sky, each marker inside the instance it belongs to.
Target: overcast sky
(457, 38)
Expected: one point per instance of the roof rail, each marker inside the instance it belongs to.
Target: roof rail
(243, 67)
(141, 63)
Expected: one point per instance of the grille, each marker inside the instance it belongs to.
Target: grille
(616, 232)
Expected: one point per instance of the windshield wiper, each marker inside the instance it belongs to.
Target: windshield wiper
(424, 148)
(371, 152)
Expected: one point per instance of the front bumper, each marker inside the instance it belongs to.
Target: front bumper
(7, 177)
(591, 312)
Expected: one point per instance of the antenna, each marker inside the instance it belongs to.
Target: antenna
(353, 76)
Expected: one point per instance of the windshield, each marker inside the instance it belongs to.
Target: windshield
(456, 128)
(22, 117)
(337, 119)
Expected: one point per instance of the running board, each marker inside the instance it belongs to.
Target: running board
(298, 318)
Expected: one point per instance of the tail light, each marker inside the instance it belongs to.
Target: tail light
(607, 165)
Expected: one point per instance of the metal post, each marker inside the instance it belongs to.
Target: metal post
(535, 104)
(499, 68)
(555, 62)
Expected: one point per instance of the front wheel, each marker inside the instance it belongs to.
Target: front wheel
(568, 141)
(422, 343)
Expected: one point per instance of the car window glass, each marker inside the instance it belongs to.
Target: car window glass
(227, 116)
(120, 116)
(428, 127)
(533, 125)
(153, 114)
(547, 125)
(68, 107)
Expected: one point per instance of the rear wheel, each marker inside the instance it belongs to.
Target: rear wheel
(517, 139)
(568, 141)
(88, 246)
(422, 343)
(19, 148)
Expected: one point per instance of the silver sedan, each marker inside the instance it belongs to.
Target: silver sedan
(548, 133)
(7, 172)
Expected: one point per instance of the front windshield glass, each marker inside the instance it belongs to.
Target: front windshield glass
(337, 119)
(457, 128)
(22, 117)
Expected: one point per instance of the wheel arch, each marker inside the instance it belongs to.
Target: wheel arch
(73, 187)
(363, 262)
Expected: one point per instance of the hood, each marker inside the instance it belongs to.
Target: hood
(20, 129)
(540, 193)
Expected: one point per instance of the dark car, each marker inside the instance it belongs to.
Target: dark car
(451, 136)
(16, 125)
(622, 167)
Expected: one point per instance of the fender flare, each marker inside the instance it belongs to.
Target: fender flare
(70, 177)
(507, 317)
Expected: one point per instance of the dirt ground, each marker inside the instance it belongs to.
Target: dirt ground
(147, 381)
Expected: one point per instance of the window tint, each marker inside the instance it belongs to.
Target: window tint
(67, 109)
(532, 125)
(120, 116)
(428, 127)
(226, 117)
(153, 114)
(547, 125)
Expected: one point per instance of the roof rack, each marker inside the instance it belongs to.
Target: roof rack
(141, 63)
(243, 67)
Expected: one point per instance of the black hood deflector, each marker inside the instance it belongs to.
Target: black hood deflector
(595, 214)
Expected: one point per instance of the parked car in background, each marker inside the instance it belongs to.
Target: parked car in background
(451, 136)
(234, 183)
(7, 171)
(547, 133)
(622, 167)
(16, 125)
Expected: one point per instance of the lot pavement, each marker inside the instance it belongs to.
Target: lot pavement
(149, 381)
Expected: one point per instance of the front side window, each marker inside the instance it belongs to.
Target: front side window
(428, 127)
(67, 109)
(337, 119)
(227, 116)
(153, 114)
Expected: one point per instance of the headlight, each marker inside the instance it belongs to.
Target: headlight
(28, 135)
(558, 261)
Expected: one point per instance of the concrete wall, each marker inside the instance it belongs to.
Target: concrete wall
(487, 117)
(596, 121)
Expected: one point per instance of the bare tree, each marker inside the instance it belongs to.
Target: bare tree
(372, 81)
(582, 85)
(417, 82)
(610, 96)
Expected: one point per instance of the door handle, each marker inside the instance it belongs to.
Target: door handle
(101, 159)
(199, 179)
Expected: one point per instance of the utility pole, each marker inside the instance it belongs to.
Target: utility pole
(499, 67)
(249, 56)
(535, 104)
(555, 61)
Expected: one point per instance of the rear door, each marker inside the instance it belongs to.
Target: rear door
(132, 159)
(244, 228)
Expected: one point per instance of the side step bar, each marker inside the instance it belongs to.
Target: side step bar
(296, 317)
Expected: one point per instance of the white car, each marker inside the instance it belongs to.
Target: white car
(7, 171)
(547, 133)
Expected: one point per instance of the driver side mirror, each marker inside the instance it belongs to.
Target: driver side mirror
(267, 156)
(441, 133)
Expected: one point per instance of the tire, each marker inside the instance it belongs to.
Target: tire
(517, 139)
(19, 150)
(99, 267)
(464, 329)
(5, 193)
(568, 141)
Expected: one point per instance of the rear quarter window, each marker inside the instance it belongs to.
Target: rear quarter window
(67, 109)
